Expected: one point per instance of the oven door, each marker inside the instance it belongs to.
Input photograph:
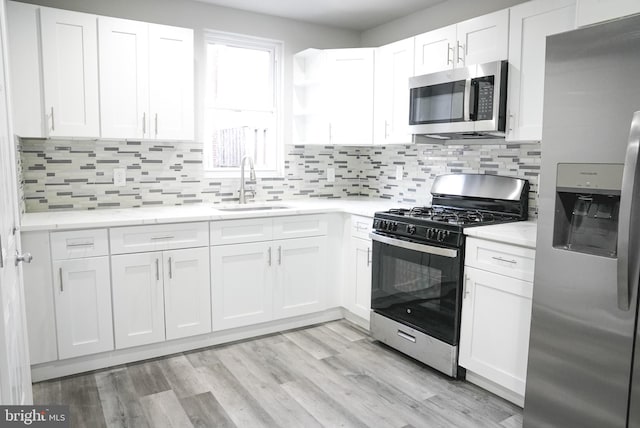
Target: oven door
(418, 285)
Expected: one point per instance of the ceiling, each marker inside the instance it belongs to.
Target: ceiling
(356, 15)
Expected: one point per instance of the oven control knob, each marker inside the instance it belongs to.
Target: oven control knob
(411, 229)
(440, 236)
(430, 233)
(395, 226)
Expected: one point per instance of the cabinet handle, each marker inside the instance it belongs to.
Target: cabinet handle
(53, 122)
(368, 258)
(84, 244)
(465, 292)
(449, 54)
(156, 122)
(157, 238)
(61, 284)
(460, 55)
(500, 259)
(1, 254)
(269, 256)
(170, 269)
(406, 336)
(330, 133)
(157, 270)
(511, 119)
(144, 123)
(279, 255)
(386, 129)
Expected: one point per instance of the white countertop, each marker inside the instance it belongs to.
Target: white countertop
(521, 233)
(80, 219)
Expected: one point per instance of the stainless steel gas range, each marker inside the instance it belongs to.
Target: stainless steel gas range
(418, 261)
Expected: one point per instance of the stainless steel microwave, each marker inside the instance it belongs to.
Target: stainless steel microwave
(462, 103)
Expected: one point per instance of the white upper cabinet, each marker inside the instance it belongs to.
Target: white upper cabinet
(171, 82)
(146, 80)
(593, 11)
(530, 24)
(435, 50)
(475, 41)
(393, 67)
(124, 82)
(70, 73)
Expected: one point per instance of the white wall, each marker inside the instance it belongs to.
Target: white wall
(200, 16)
(440, 15)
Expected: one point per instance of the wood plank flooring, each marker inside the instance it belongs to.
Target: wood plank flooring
(328, 375)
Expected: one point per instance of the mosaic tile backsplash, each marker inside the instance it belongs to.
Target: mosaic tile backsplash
(62, 175)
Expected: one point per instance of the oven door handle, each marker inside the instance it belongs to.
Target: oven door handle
(438, 251)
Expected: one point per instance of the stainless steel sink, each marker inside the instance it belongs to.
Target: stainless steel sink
(257, 208)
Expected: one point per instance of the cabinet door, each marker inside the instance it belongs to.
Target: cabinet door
(70, 73)
(394, 66)
(350, 104)
(360, 281)
(83, 306)
(593, 11)
(171, 82)
(241, 284)
(187, 298)
(435, 50)
(530, 24)
(301, 284)
(494, 334)
(138, 299)
(483, 39)
(124, 78)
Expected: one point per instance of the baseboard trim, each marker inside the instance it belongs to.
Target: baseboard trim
(494, 388)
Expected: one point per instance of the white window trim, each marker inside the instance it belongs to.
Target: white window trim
(277, 47)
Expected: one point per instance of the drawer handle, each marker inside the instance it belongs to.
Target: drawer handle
(500, 259)
(158, 238)
(368, 257)
(87, 244)
(406, 336)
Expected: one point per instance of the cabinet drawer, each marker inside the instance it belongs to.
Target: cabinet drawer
(299, 226)
(510, 260)
(361, 226)
(241, 231)
(138, 239)
(79, 244)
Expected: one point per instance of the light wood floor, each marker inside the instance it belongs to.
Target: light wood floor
(331, 375)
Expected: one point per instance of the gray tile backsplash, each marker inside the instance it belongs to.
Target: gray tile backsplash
(75, 174)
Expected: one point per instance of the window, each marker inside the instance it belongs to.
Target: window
(241, 116)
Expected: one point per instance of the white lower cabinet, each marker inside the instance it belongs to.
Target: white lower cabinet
(496, 316)
(242, 284)
(356, 296)
(160, 295)
(138, 299)
(83, 306)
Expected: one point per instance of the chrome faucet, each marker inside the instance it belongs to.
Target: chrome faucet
(252, 177)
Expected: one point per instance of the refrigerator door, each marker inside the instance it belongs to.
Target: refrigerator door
(581, 342)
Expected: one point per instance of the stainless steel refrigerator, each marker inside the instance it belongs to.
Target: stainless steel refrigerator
(584, 354)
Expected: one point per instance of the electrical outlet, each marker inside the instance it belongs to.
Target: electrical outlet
(119, 177)
(331, 175)
(399, 172)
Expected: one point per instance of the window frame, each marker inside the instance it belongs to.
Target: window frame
(276, 47)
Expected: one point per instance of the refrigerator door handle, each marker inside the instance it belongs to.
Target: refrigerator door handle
(628, 257)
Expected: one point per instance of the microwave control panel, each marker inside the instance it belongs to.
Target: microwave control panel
(484, 90)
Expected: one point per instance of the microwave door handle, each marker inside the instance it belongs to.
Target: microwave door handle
(628, 251)
(467, 94)
(474, 95)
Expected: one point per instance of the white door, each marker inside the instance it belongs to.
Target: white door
(171, 82)
(362, 277)
(124, 78)
(394, 66)
(241, 284)
(494, 331)
(530, 24)
(435, 50)
(70, 72)
(301, 280)
(483, 39)
(82, 290)
(138, 299)
(187, 299)
(15, 372)
(351, 96)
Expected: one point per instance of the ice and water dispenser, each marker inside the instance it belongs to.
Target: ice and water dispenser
(587, 205)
